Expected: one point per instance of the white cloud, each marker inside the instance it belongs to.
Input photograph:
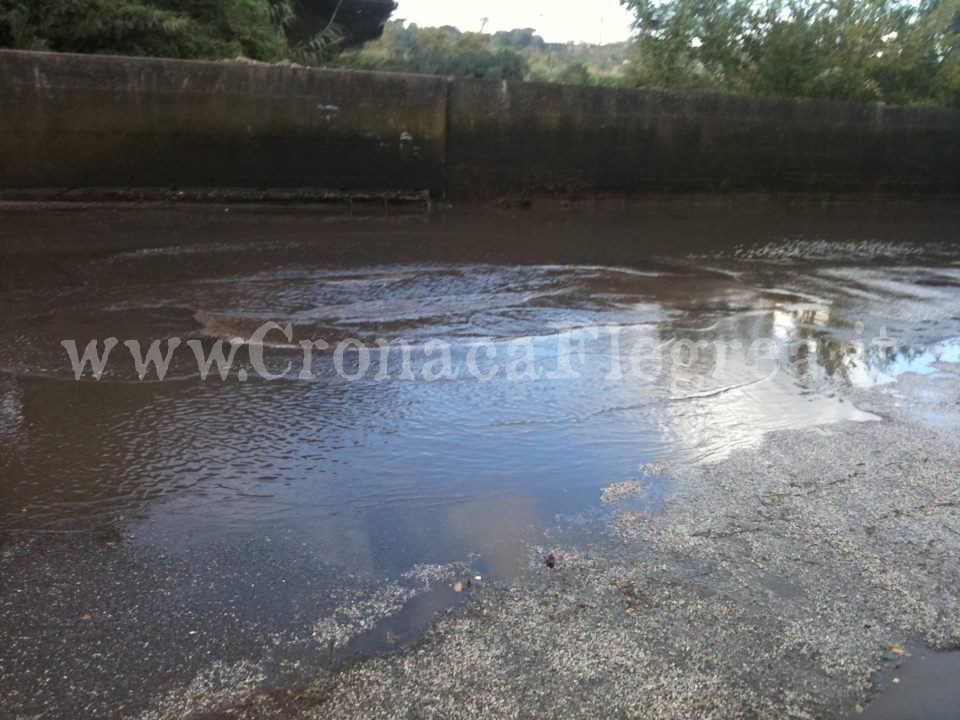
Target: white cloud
(591, 21)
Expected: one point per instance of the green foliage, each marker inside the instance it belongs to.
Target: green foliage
(519, 54)
(438, 51)
(265, 30)
(866, 50)
(894, 51)
(519, 39)
(200, 29)
(575, 74)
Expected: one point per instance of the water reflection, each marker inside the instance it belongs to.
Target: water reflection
(380, 476)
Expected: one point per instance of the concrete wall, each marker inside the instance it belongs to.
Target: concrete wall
(69, 121)
(88, 121)
(571, 139)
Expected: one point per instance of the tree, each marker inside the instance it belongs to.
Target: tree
(357, 21)
(575, 74)
(868, 50)
(518, 39)
(518, 54)
(439, 51)
(268, 30)
(223, 28)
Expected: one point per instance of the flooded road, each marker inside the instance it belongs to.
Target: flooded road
(551, 353)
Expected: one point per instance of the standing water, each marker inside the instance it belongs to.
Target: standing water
(473, 376)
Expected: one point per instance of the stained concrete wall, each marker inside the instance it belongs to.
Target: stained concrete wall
(94, 121)
(569, 139)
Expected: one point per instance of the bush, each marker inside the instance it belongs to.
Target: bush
(308, 31)
(210, 29)
(866, 50)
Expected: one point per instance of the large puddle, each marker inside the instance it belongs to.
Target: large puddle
(659, 333)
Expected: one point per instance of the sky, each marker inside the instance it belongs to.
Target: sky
(591, 21)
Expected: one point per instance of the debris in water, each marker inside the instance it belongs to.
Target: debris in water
(622, 490)
(427, 574)
(551, 561)
(653, 469)
(358, 615)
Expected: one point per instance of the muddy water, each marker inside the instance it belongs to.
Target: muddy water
(691, 330)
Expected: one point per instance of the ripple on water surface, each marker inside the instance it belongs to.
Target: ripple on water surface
(436, 470)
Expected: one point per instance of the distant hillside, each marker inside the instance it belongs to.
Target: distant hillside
(519, 54)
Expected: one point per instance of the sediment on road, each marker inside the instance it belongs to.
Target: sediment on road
(776, 583)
